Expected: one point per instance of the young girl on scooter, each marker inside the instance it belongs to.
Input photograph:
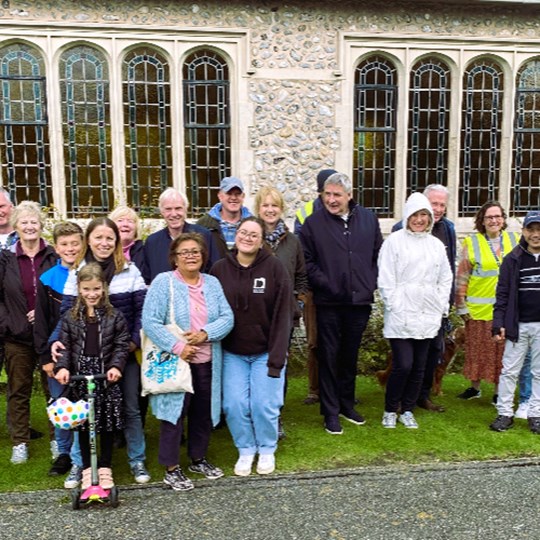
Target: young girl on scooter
(96, 340)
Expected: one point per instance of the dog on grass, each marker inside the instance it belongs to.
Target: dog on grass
(453, 342)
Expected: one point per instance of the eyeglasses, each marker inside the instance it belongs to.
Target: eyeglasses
(187, 253)
(248, 235)
(492, 218)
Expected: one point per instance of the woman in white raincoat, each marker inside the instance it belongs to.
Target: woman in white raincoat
(414, 282)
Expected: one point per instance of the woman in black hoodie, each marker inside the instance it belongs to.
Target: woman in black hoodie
(258, 289)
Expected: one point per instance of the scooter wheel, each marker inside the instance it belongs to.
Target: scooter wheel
(75, 499)
(113, 497)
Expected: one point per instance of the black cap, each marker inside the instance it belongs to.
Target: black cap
(322, 177)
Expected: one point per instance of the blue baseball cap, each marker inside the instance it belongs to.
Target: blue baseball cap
(231, 182)
(532, 217)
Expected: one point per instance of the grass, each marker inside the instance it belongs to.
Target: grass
(460, 434)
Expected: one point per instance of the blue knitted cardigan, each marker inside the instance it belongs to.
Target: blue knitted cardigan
(156, 314)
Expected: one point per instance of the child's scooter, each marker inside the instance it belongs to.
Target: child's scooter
(95, 493)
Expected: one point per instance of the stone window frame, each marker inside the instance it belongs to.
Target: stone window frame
(53, 39)
(457, 53)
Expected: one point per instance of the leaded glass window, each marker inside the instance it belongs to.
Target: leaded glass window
(206, 127)
(429, 117)
(526, 162)
(84, 90)
(147, 127)
(480, 135)
(374, 152)
(24, 137)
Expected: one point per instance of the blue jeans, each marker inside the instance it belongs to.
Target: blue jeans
(525, 380)
(134, 433)
(251, 402)
(63, 437)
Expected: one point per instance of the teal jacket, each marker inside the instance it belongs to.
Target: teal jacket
(156, 314)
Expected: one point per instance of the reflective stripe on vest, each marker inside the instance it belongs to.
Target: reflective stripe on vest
(304, 212)
(483, 280)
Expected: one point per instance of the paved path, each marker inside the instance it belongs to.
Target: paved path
(484, 501)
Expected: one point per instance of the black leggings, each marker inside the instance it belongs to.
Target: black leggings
(105, 441)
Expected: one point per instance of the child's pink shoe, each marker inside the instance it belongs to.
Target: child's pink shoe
(105, 478)
(86, 481)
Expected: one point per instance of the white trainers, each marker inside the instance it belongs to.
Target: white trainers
(74, 477)
(244, 464)
(55, 453)
(522, 411)
(389, 420)
(266, 464)
(408, 420)
(19, 454)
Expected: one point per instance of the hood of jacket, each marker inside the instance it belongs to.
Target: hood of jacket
(415, 203)
(215, 212)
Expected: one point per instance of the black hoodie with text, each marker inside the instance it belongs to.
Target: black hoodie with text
(260, 297)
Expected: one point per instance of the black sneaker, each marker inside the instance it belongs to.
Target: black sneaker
(203, 467)
(177, 480)
(502, 423)
(534, 424)
(353, 417)
(470, 393)
(332, 425)
(61, 465)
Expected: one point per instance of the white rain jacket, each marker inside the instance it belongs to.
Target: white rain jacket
(414, 279)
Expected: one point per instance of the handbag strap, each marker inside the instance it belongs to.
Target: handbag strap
(171, 299)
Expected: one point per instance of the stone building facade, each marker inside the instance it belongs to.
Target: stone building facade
(108, 102)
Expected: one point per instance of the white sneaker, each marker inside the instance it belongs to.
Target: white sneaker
(244, 464)
(55, 453)
(266, 464)
(74, 477)
(522, 411)
(408, 420)
(389, 420)
(19, 454)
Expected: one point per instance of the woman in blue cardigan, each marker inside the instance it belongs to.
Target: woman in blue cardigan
(202, 311)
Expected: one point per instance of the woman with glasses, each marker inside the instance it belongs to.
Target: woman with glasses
(202, 311)
(259, 291)
(477, 275)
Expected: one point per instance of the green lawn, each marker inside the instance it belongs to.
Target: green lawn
(460, 434)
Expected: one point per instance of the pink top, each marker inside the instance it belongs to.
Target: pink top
(199, 318)
(126, 249)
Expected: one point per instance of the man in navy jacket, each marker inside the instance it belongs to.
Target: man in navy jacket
(341, 244)
(173, 206)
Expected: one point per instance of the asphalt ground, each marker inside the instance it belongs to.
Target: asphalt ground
(469, 501)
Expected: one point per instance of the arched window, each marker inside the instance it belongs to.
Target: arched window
(526, 162)
(147, 127)
(480, 135)
(84, 90)
(24, 136)
(429, 117)
(375, 135)
(206, 127)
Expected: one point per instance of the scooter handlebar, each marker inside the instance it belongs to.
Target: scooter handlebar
(96, 377)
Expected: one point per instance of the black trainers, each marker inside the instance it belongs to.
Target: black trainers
(332, 425)
(61, 465)
(203, 467)
(353, 417)
(502, 423)
(470, 393)
(177, 480)
(534, 424)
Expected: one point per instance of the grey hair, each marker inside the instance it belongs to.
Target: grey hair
(172, 193)
(340, 179)
(439, 188)
(27, 207)
(5, 193)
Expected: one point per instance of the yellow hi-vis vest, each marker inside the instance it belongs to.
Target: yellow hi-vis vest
(303, 213)
(485, 274)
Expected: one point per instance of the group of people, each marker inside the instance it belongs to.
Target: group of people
(236, 284)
